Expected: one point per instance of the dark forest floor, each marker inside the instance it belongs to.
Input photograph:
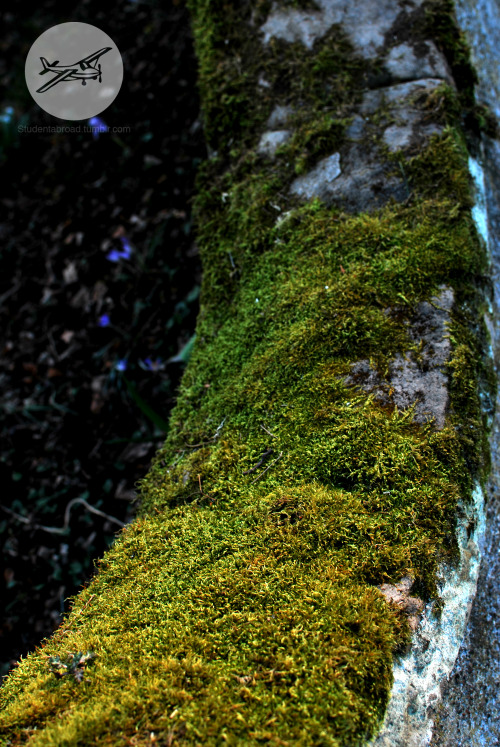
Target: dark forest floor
(87, 378)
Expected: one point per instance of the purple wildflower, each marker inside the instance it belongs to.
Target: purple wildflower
(127, 249)
(121, 365)
(115, 255)
(152, 365)
(104, 321)
(98, 125)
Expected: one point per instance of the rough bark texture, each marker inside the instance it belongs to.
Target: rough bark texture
(468, 715)
(329, 431)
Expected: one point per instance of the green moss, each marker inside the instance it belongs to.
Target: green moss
(241, 607)
(316, 138)
(439, 24)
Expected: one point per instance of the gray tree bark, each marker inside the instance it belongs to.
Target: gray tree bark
(471, 700)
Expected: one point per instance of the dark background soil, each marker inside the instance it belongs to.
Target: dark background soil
(83, 401)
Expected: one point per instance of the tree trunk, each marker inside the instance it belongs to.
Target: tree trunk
(471, 697)
(318, 499)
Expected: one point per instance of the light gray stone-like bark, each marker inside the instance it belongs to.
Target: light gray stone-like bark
(271, 141)
(403, 63)
(416, 380)
(418, 676)
(317, 183)
(359, 176)
(365, 22)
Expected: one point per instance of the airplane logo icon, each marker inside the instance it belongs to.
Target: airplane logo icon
(86, 69)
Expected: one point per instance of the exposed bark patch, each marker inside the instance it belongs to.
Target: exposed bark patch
(317, 182)
(366, 23)
(279, 117)
(271, 141)
(416, 379)
(399, 596)
(403, 112)
(360, 177)
(407, 62)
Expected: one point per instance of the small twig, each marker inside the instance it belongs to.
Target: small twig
(92, 510)
(64, 528)
(10, 292)
(265, 456)
(268, 432)
(268, 466)
(68, 352)
(87, 603)
(52, 345)
(200, 494)
(16, 516)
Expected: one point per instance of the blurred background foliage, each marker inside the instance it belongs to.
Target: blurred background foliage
(99, 285)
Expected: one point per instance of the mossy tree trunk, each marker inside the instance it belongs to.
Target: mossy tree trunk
(329, 422)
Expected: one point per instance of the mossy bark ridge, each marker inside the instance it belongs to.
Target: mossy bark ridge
(329, 422)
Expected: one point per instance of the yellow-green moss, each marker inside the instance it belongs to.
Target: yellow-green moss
(241, 607)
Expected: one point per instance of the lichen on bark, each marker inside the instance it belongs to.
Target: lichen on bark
(242, 606)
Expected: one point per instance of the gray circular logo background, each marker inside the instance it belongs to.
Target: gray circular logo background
(74, 71)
